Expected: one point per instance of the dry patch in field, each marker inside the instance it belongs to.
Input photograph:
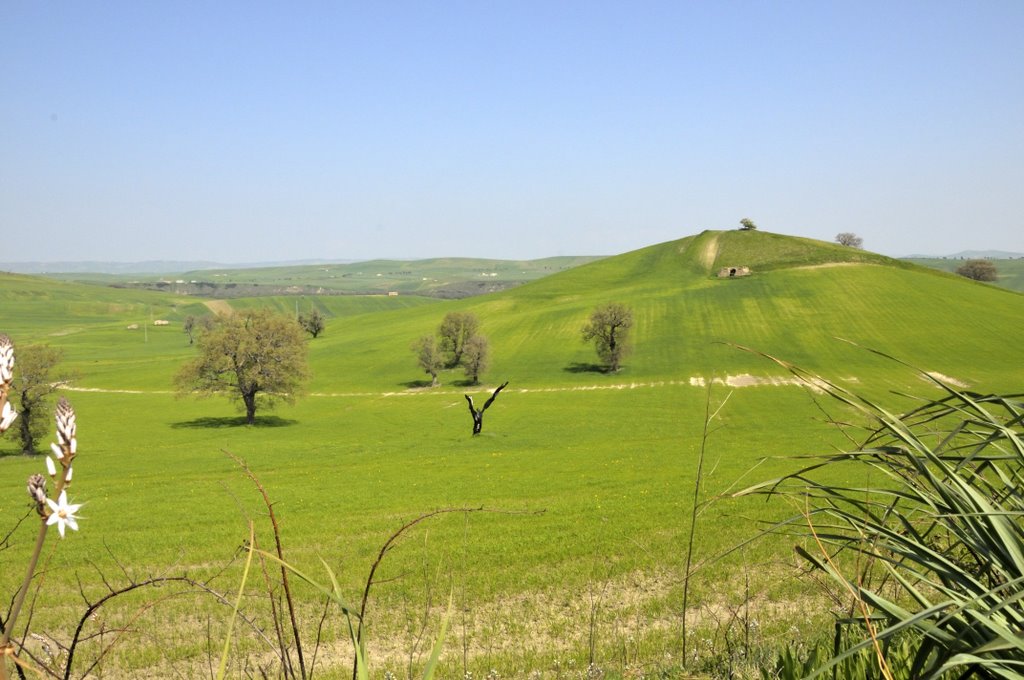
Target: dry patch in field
(220, 307)
(946, 379)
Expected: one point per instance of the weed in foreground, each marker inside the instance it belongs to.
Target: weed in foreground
(938, 542)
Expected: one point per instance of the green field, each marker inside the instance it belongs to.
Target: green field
(581, 483)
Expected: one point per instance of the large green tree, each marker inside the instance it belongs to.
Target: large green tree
(979, 270)
(429, 357)
(255, 357)
(313, 323)
(608, 329)
(476, 357)
(455, 331)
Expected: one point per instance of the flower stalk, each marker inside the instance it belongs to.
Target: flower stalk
(7, 412)
(58, 512)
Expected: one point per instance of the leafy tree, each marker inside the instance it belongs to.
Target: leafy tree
(35, 381)
(256, 357)
(979, 270)
(747, 224)
(455, 331)
(313, 323)
(429, 356)
(850, 239)
(609, 330)
(476, 357)
(188, 326)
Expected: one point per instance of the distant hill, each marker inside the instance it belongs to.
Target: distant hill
(439, 277)
(147, 267)
(969, 254)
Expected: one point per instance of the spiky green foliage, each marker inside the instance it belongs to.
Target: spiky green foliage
(941, 519)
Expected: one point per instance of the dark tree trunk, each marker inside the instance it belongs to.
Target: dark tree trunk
(28, 442)
(250, 408)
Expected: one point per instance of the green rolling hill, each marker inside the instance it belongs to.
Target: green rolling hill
(800, 297)
(609, 458)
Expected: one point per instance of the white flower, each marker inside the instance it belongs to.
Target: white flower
(56, 451)
(62, 513)
(50, 467)
(68, 478)
(7, 416)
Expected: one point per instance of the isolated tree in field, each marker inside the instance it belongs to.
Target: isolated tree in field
(608, 329)
(850, 239)
(747, 224)
(979, 270)
(455, 331)
(35, 381)
(429, 357)
(188, 326)
(476, 357)
(313, 323)
(255, 357)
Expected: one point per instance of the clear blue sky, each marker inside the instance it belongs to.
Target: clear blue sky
(256, 131)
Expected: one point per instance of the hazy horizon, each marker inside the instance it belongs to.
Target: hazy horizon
(260, 133)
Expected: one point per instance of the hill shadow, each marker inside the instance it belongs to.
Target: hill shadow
(212, 423)
(583, 367)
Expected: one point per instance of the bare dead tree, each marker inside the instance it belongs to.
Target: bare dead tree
(478, 414)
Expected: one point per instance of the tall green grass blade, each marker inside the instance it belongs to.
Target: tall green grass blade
(222, 668)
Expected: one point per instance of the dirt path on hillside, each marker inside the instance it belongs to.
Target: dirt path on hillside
(220, 307)
(710, 253)
(734, 381)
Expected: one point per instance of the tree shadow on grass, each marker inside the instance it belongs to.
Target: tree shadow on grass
(416, 384)
(582, 367)
(235, 421)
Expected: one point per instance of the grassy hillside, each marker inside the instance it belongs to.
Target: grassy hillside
(598, 470)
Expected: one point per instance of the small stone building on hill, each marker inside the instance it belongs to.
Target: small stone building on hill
(731, 272)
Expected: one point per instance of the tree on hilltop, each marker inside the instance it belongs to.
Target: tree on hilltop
(747, 224)
(608, 328)
(256, 357)
(847, 238)
(978, 270)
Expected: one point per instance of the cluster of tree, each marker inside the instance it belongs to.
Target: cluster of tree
(979, 270)
(257, 357)
(847, 238)
(457, 343)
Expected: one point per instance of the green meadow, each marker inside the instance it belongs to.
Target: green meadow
(567, 553)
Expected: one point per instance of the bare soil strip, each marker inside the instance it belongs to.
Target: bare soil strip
(710, 253)
(220, 307)
(742, 380)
